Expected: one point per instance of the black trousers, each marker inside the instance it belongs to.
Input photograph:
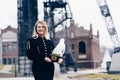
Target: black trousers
(45, 72)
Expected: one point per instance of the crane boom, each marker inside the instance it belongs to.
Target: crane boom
(110, 24)
(114, 66)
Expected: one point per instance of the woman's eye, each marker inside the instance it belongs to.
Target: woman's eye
(40, 26)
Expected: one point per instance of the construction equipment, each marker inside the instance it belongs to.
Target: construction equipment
(56, 12)
(114, 66)
(27, 13)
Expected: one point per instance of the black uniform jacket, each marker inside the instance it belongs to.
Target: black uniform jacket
(36, 51)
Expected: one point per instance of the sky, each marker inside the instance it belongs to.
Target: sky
(84, 13)
(8, 13)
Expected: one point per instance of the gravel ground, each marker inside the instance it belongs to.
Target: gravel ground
(71, 75)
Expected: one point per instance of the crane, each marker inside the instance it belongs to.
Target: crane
(56, 12)
(114, 66)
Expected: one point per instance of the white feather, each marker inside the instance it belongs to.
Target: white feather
(60, 47)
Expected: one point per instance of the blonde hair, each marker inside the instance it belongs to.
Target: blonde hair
(46, 34)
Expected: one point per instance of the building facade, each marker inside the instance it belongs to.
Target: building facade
(82, 44)
(9, 45)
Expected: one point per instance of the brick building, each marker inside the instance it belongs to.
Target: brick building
(83, 45)
(9, 45)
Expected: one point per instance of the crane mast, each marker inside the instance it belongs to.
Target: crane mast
(54, 9)
(110, 24)
(56, 12)
(114, 66)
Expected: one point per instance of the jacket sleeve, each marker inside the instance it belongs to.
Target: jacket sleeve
(31, 51)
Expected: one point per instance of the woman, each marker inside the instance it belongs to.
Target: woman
(39, 48)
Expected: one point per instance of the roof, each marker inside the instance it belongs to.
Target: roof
(9, 28)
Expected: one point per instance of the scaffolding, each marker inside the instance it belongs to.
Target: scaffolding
(27, 16)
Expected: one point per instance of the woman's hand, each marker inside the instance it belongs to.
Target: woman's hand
(60, 60)
(47, 59)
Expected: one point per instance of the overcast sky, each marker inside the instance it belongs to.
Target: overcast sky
(8, 13)
(84, 12)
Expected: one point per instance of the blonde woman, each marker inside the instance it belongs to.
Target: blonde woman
(39, 48)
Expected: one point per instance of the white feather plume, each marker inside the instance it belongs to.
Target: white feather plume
(60, 48)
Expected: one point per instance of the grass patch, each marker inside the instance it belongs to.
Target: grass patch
(103, 76)
(1, 66)
(12, 69)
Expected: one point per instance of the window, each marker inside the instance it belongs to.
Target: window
(9, 61)
(82, 47)
(14, 47)
(72, 46)
(14, 60)
(4, 61)
(9, 48)
(4, 49)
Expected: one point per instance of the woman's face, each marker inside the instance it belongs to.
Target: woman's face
(40, 29)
